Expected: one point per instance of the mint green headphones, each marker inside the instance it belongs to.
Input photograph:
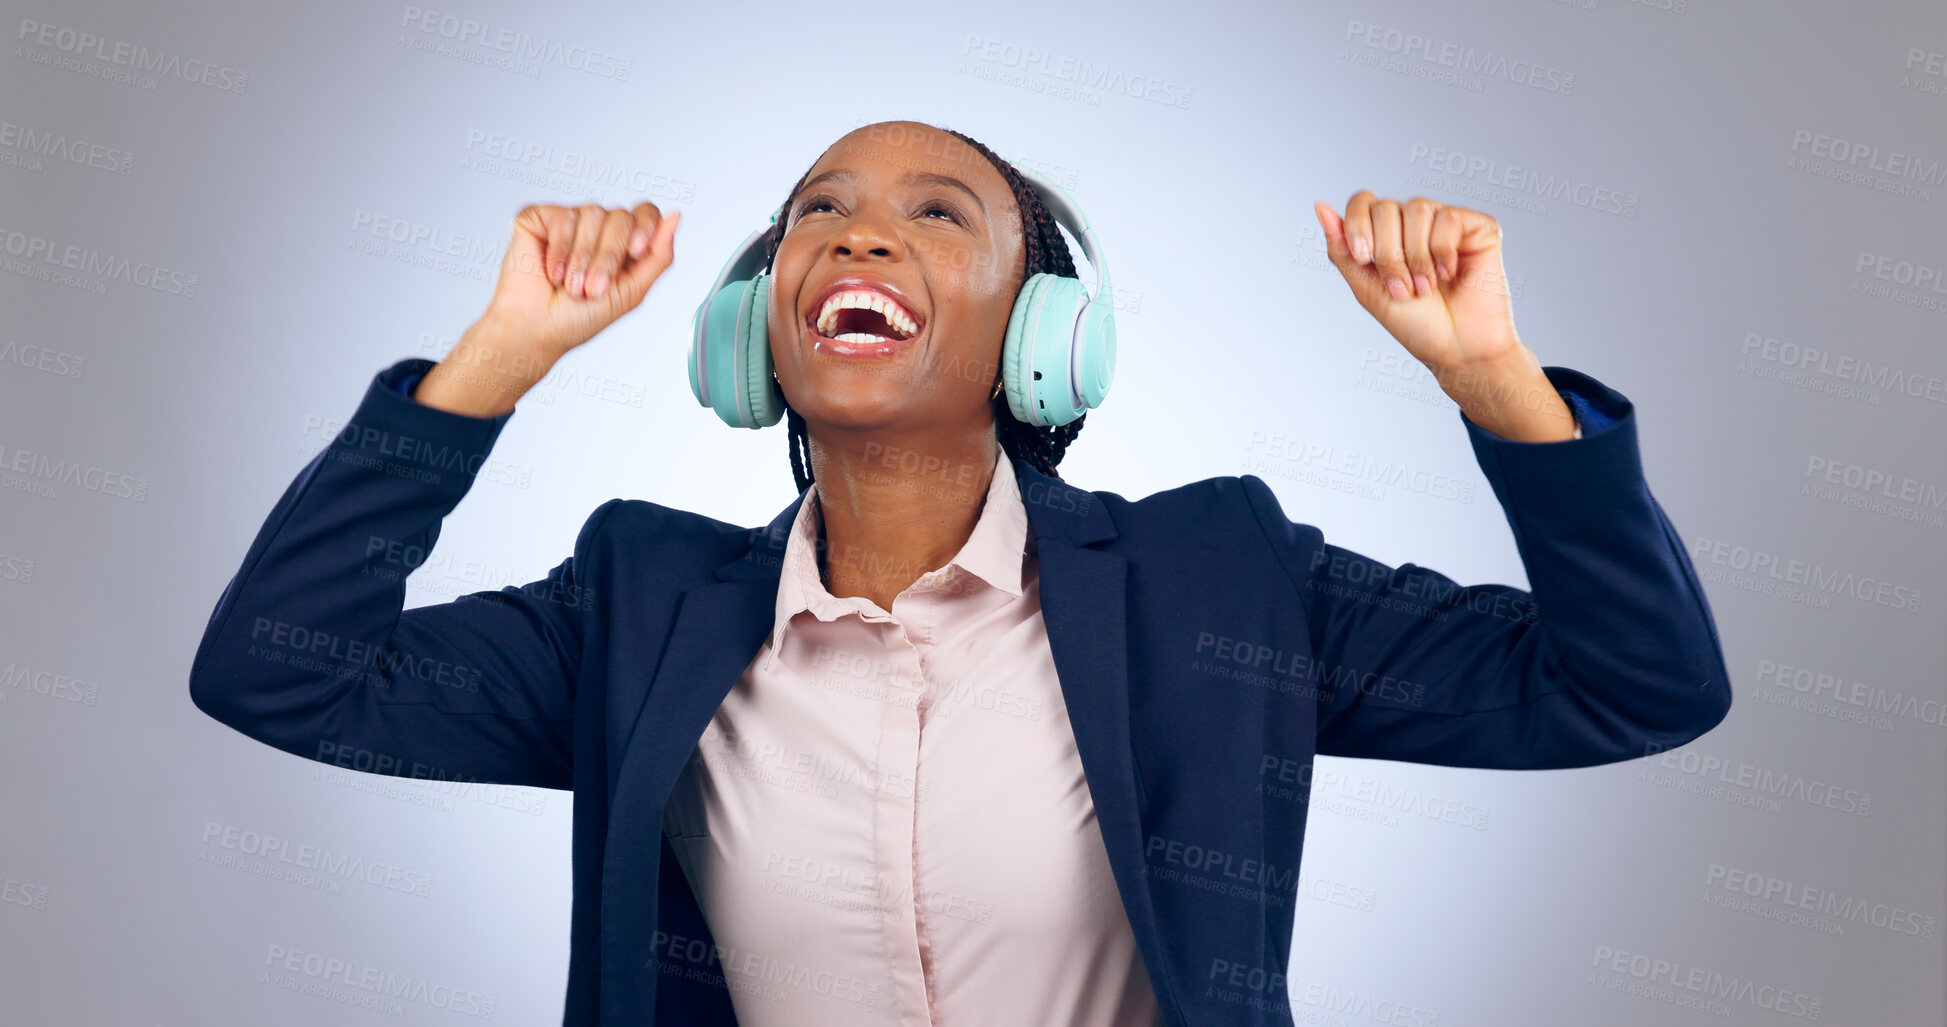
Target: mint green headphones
(1056, 363)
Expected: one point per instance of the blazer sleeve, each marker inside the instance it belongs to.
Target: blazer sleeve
(1613, 655)
(310, 649)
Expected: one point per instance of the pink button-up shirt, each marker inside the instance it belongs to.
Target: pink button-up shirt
(886, 822)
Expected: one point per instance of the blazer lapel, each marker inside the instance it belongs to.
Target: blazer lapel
(1084, 603)
(719, 627)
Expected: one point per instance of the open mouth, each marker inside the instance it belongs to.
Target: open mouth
(862, 317)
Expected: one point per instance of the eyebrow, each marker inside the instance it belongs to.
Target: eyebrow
(909, 178)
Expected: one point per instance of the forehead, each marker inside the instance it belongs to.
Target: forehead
(889, 152)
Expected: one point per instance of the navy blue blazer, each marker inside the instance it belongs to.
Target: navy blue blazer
(1206, 645)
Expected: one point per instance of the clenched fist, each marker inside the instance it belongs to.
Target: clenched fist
(1431, 273)
(569, 272)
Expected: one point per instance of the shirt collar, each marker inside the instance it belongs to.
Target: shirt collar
(994, 553)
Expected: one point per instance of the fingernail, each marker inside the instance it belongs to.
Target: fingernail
(1420, 282)
(1396, 287)
(596, 283)
(1360, 249)
(638, 242)
(574, 283)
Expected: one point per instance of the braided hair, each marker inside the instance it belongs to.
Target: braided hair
(1047, 253)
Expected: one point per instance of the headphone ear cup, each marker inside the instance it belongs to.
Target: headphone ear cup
(1017, 372)
(1052, 334)
(730, 357)
(763, 401)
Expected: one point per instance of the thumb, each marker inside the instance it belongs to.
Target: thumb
(1335, 248)
(523, 258)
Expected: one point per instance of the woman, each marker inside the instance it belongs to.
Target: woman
(951, 740)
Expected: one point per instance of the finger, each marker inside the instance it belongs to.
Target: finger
(588, 228)
(1389, 248)
(1418, 213)
(1360, 278)
(610, 248)
(647, 217)
(561, 239)
(1334, 228)
(638, 275)
(1358, 225)
(1443, 241)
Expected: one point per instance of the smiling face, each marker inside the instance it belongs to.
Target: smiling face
(893, 283)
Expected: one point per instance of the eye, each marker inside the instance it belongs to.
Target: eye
(951, 214)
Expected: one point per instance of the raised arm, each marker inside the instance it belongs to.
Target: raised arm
(1612, 651)
(310, 648)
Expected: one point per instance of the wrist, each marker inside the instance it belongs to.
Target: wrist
(1510, 396)
(487, 370)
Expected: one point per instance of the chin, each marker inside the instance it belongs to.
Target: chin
(842, 400)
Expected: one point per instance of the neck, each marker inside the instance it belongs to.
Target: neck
(892, 511)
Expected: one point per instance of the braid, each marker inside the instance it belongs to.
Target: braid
(1047, 253)
(797, 438)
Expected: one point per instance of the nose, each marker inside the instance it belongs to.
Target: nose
(867, 232)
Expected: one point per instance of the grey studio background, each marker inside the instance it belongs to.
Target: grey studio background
(218, 221)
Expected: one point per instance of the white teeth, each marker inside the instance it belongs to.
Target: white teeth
(861, 339)
(864, 300)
